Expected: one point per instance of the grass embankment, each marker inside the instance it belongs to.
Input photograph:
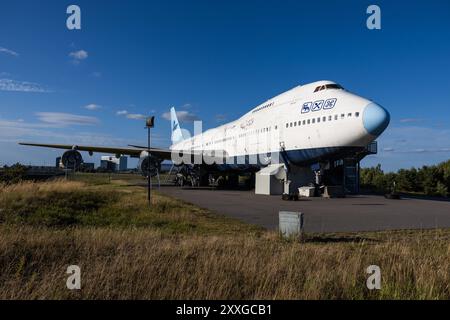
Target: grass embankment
(175, 250)
(68, 204)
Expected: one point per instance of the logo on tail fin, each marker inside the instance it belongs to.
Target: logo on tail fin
(177, 134)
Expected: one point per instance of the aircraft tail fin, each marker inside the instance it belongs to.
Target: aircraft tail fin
(177, 134)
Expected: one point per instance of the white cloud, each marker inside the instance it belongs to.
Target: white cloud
(9, 52)
(79, 55)
(415, 139)
(21, 86)
(14, 131)
(136, 116)
(185, 116)
(92, 107)
(121, 112)
(418, 150)
(66, 119)
(17, 130)
(411, 120)
(411, 146)
(132, 116)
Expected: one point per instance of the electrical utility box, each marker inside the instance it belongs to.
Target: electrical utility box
(291, 224)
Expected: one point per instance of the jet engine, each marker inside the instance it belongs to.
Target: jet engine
(149, 164)
(71, 159)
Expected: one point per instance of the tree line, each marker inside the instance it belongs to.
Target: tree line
(429, 180)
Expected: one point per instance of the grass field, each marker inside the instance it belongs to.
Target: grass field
(175, 250)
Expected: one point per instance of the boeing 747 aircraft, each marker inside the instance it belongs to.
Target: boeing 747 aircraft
(317, 123)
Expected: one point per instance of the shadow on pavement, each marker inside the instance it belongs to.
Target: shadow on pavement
(348, 239)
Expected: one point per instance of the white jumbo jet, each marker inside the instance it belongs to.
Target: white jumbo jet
(317, 122)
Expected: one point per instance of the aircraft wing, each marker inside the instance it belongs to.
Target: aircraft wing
(133, 151)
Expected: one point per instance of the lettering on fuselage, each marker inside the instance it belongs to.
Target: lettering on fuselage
(247, 123)
(319, 105)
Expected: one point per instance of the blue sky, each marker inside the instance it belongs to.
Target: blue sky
(214, 60)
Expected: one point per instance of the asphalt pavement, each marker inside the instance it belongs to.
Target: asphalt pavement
(353, 213)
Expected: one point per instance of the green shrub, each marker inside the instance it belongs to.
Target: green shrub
(441, 189)
(13, 174)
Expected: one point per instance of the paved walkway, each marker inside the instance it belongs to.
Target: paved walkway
(356, 213)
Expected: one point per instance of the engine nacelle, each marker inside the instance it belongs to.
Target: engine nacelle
(149, 164)
(71, 159)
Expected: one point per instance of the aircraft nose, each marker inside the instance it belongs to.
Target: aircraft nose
(375, 119)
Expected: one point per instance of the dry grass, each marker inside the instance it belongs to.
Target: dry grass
(147, 264)
(62, 204)
(151, 261)
(31, 189)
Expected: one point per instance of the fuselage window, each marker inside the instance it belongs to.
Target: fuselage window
(304, 122)
(342, 116)
(318, 120)
(349, 115)
(330, 118)
(324, 119)
(335, 117)
(295, 123)
(290, 125)
(313, 120)
(287, 125)
(357, 114)
(276, 127)
(309, 121)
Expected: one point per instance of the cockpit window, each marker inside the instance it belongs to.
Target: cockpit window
(319, 88)
(329, 86)
(334, 86)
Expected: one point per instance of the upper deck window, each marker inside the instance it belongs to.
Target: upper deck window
(329, 86)
(267, 105)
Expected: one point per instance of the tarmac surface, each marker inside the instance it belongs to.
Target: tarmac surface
(353, 213)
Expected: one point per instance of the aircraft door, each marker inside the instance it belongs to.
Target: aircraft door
(278, 137)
